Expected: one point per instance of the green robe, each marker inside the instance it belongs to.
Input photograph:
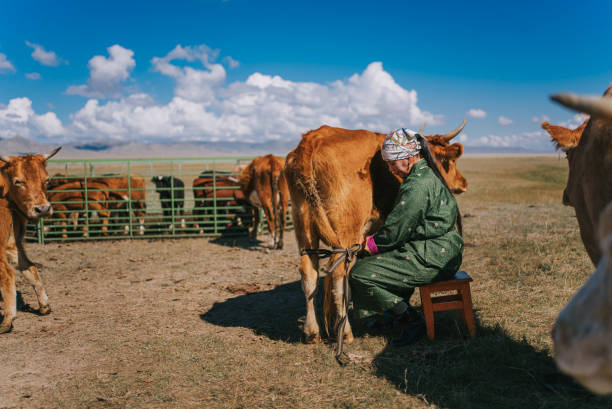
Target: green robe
(417, 245)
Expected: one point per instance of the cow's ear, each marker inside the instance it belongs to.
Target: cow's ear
(564, 138)
(455, 150)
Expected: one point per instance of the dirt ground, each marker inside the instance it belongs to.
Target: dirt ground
(215, 323)
(111, 298)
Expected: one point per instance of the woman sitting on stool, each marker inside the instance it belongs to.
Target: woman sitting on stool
(417, 245)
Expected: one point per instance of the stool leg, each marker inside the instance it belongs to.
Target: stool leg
(428, 311)
(468, 312)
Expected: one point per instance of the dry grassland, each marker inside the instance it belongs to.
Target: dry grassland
(214, 323)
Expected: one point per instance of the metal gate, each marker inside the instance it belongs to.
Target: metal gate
(104, 199)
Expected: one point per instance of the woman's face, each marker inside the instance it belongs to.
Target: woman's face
(402, 167)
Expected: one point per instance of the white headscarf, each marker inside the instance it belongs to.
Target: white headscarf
(400, 144)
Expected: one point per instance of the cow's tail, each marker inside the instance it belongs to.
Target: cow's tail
(302, 175)
(275, 176)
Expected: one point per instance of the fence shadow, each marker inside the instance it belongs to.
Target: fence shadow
(492, 370)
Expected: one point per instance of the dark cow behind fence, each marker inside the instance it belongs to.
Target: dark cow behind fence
(23, 185)
(171, 192)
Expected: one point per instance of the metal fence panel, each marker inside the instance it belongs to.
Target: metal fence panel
(145, 198)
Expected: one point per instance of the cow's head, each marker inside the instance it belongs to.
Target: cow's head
(568, 140)
(447, 154)
(26, 181)
(582, 335)
(161, 181)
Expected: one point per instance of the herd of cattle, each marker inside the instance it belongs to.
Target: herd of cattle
(341, 190)
(117, 203)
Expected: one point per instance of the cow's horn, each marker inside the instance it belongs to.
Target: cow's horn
(596, 106)
(53, 152)
(454, 133)
(422, 128)
(4, 158)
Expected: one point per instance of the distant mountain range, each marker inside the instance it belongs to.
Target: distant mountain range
(120, 150)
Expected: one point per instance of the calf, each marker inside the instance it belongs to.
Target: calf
(23, 187)
(171, 192)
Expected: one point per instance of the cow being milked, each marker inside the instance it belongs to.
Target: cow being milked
(264, 185)
(582, 334)
(341, 189)
(23, 186)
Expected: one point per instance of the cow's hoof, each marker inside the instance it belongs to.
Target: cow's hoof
(4, 328)
(44, 310)
(313, 339)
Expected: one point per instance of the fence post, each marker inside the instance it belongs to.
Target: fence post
(86, 200)
(41, 232)
(172, 196)
(129, 189)
(215, 196)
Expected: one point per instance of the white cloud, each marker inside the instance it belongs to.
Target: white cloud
(19, 119)
(32, 76)
(193, 84)
(231, 62)
(205, 107)
(44, 57)
(575, 121)
(540, 119)
(5, 65)
(532, 140)
(503, 121)
(477, 113)
(106, 74)
(261, 108)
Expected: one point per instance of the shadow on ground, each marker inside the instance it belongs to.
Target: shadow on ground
(275, 313)
(492, 370)
(242, 241)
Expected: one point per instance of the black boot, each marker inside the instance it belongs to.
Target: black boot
(412, 326)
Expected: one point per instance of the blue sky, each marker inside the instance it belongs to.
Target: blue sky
(259, 70)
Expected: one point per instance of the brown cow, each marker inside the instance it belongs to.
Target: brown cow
(264, 185)
(23, 185)
(583, 190)
(582, 334)
(341, 189)
(122, 188)
(69, 199)
(221, 186)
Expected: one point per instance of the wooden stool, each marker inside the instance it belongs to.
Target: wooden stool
(460, 301)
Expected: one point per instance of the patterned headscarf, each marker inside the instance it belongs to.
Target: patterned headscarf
(400, 144)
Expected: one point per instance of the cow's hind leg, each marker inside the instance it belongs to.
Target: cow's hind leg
(335, 307)
(307, 239)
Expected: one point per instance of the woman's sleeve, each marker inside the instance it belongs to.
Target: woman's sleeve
(403, 222)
